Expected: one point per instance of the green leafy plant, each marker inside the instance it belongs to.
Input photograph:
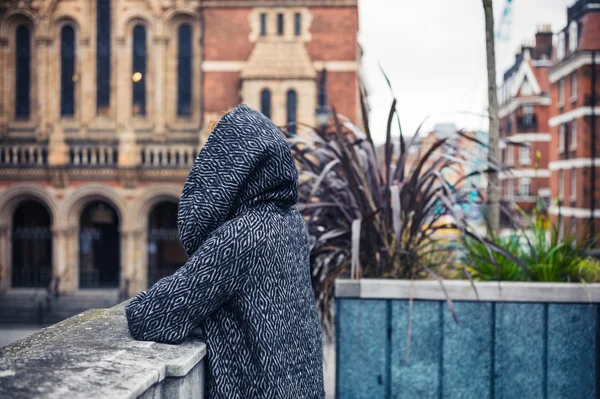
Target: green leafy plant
(549, 257)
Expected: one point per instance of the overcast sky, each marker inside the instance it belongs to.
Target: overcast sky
(434, 54)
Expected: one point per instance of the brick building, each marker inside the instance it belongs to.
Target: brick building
(574, 126)
(524, 113)
(104, 105)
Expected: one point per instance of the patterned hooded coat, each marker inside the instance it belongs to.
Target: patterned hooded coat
(247, 281)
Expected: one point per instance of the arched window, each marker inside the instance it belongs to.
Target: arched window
(139, 71)
(280, 24)
(265, 102)
(297, 24)
(291, 111)
(102, 56)
(263, 24)
(22, 72)
(67, 71)
(184, 71)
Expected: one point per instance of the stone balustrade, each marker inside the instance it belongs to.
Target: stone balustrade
(92, 355)
(168, 156)
(23, 155)
(93, 155)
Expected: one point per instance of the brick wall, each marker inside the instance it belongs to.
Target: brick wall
(342, 91)
(333, 34)
(220, 91)
(226, 32)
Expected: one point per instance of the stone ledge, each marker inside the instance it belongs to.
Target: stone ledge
(93, 355)
(462, 290)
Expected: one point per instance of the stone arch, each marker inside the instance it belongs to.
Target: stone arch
(14, 194)
(150, 198)
(11, 198)
(14, 17)
(71, 213)
(83, 195)
(131, 19)
(141, 209)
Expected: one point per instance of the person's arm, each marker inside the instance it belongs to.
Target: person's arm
(176, 304)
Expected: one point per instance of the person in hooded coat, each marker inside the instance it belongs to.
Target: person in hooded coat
(247, 282)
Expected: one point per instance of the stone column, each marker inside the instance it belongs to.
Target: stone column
(43, 81)
(5, 105)
(160, 51)
(130, 281)
(4, 258)
(60, 268)
(70, 243)
(86, 94)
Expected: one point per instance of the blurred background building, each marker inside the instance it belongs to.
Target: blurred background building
(104, 105)
(524, 111)
(574, 125)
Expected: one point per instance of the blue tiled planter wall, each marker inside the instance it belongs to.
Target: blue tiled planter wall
(497, 350)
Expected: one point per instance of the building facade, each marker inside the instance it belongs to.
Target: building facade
(574, 125)
(104, 105)
(524, 113)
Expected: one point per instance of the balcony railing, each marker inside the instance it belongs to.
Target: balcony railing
(23, 155)
(527, 122)
(91, 155)
(168, 156)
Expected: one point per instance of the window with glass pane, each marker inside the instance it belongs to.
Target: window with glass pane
(528, 115)
(263, 24)
(574, 134)
(574, 87)
(138, 76)
(291, 111)
(184, 71)
(561, 138)
(524, 155)
(525, 186)
(297, 24)
(573, 184)
(265, 102)
(280, 24)
(22, 72)
(67, 71)
(102, 57)
(561, 92)
(561, 184)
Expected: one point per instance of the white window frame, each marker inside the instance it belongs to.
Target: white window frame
(573, 37)
(510, 155)
(510, 189)
(561, 138)
(573, 184)
(528, 112)
(561, 185)
(574, 134)
(561, 93)
(524, 155)
(574, 86)
(560, 46)
(525, 182)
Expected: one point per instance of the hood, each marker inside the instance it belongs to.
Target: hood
(245, 162)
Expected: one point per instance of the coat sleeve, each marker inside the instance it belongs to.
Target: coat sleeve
(176, 304)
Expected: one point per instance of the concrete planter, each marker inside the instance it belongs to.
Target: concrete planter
(521, 340)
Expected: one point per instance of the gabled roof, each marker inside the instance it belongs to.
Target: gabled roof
(525, 71)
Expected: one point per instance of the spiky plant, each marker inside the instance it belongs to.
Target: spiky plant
(380, 218)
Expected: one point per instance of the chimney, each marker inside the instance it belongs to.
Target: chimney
(543, 43)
